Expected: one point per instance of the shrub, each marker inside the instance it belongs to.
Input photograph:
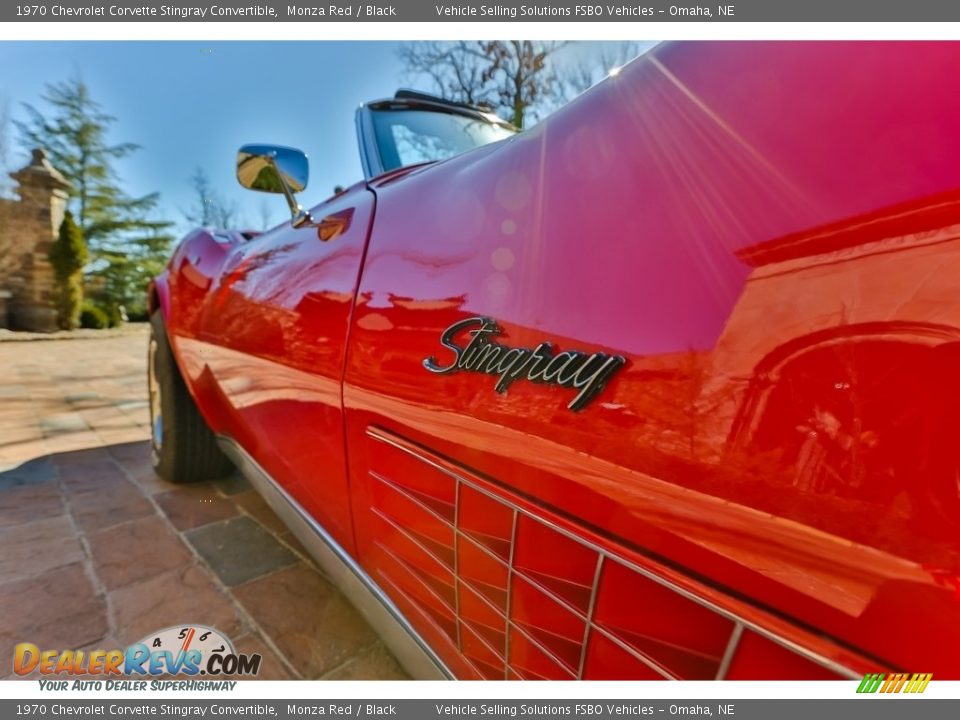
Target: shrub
(115, 314)
(93, 317)
(68, 256)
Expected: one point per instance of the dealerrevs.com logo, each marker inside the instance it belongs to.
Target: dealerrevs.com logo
(190, 650)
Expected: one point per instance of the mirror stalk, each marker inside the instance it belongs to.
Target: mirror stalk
(298, 216)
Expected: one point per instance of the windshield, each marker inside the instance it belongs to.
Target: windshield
(407, 137)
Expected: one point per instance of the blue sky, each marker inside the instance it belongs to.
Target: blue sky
(193, 104)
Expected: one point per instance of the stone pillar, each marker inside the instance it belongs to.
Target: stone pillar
(43, 200)
(5, 296)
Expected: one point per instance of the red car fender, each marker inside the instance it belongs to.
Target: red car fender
(158, 294)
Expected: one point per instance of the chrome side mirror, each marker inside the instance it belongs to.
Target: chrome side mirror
(275, 169)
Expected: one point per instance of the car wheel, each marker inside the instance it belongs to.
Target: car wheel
(182, 447)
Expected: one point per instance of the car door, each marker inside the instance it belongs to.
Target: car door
(773, 272)
(275, 330)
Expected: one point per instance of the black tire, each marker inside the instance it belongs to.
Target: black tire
(182, 446)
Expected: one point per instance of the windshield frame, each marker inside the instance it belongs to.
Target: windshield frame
(370, 157)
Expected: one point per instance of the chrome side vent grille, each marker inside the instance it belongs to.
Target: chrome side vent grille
(516, 597)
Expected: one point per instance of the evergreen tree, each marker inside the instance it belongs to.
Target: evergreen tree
(125, 244)
(68, 256)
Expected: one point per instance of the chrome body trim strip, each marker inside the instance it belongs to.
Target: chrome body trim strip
(637, 655)
(728, 653)
(456, 566)
(591, 607)
(410, 650)
(508, 624)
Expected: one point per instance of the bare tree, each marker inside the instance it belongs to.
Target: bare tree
(512, 77)
(266, 215)
(455, 69)
(520, 76)
(209, 209)
(521, 80)
(578, 76)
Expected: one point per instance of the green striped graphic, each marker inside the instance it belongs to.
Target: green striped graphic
(870, 683)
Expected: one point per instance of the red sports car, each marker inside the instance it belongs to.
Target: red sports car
(667, 386)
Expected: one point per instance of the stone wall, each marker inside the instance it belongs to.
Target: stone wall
(28, 227)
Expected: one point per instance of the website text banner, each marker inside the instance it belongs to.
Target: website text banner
(895, 11)
(853, 709)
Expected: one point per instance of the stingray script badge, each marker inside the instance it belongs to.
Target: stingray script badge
(475, 349)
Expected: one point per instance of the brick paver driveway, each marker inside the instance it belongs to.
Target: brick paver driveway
(97, 551)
